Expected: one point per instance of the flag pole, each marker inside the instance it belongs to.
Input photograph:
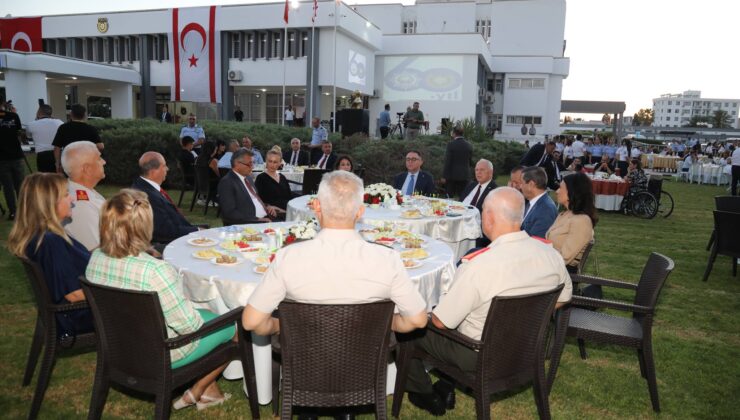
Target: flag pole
(285, 58)
(310, 105)
(334, 85)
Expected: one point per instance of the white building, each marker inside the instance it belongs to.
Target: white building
(676, 110)
(499, 62)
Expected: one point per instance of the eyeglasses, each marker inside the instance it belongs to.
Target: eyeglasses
(245, 164)
(412, 159)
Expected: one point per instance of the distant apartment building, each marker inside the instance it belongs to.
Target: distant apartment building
(676, 110)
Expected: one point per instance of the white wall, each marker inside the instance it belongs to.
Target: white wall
(455, 17)
(532, 27)
(344, 45)
(263, 73)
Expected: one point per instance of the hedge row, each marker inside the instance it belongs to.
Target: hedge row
(126, 140)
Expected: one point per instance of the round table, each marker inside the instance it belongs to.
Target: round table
(609, 193)
(291, 173)
(459, 232)
(221, 289)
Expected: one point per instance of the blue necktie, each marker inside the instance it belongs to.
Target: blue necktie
(410, 186)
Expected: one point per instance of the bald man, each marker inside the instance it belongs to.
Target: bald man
(169, 223)
(513, 264)
(84, 166)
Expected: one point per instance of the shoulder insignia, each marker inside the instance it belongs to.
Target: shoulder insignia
(82, 195)
(472, 255)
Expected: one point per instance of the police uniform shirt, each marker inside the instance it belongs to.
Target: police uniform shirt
(85, 215)
(196, 132)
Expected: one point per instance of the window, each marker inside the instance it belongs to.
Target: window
(62, 47)
(527, 83)
(727, 104)
(498, 121)
(236, 45)
(483, 27)
(515, 83)
(669, 110)
(262, 46)
(304, 51)
(670, 102)
(277, 45)
(249, 47)
(408, 27)
(733, 112)
(523, 119)
(274, 109)
(499, 86)
(734, 104)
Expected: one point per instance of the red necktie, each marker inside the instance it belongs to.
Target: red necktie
(322, 162)
(254, 193)
(475, 197)
(167, 196)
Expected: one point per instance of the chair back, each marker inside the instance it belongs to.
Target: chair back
(41, 294)
(513, 337)
(311, 180)
(656, 271)
(334, 355)
(655, 184)
(202, 179)
(727, 225)
(729, 203)
(584, 256)
(131, 333)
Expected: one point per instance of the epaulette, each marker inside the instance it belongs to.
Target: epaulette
(82, 195)
(475, 254)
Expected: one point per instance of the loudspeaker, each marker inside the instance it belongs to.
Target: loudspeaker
(353, 121)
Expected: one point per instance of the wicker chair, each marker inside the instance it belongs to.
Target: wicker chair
(510, 353)
(726, 226)
(333, 355)
(203, 187)
(134, 351)
(635, 332)
(46, 335)
(730, 203)
(311, 180)
(187, 179)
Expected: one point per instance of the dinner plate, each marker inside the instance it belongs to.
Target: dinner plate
(254, 247)
(229, 245)
(413, 257)
(419, 216)
(257, 267)
(209, 257)
(416, 264)
(207, 243)
(238, 261)
(423, 245)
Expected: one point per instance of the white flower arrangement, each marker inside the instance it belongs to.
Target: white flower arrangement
(304, 230)
(380, 193)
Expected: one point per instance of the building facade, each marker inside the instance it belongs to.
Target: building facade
(676, 110)
(500, 63)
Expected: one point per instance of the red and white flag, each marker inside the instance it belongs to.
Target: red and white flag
(285, 13)
(196, 55)
(21, 34)
(315, 10)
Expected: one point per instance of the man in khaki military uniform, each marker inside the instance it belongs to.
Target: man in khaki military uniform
(513, 264)
(85, 168)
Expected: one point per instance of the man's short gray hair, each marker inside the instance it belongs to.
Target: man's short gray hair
(242, 151)
(505, 203)
(340, 195)
(487, 162)
(536, 174)
(74, 155)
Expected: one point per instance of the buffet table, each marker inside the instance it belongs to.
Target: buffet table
(659, 162)
(609, 193)
(222, 288)
(459, 229)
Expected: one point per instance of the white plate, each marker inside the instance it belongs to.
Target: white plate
(255, 269)
(416, 265)
(254, 247)
(423, 245)
(238, 261)
(210, 242)
(411, 217)
(195, 255)
(415, 258)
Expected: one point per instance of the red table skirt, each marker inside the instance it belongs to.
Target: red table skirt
(610, 188)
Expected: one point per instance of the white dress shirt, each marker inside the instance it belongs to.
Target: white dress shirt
(42, 132)
(408, 179)
(469, 197)
(259, 209)
(735, 159)
(578, 147)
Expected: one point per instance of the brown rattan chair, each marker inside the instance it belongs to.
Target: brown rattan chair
(187, 179)
(636, 332)
(203, 176)
(311, 180)
(511, 352)
(333, 355)
(730, 203)
(46, 335)
(726, 227)
(134, 351)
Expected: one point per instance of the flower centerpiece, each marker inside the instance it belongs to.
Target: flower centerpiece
(376, 194)
(302, 231)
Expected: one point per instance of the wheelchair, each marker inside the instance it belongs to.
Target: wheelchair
(649, 202)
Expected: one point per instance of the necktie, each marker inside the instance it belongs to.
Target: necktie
(410, 187)
(167, 196)
(254, 193)
(474, 201)
(322, 162)
(294, 159)
(526, 208)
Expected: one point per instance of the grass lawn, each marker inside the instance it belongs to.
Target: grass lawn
(696, 336)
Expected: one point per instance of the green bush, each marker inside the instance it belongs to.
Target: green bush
(126, 140)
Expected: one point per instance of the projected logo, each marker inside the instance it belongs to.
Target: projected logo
(356, 66)
(419, 78)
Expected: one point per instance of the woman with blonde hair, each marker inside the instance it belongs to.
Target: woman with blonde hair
(121, 261)
(43, 204)
(272, 186)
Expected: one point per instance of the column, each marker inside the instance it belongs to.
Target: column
(227, 91)
(122, 100)
(147, 104)
(25, 88)
(313, 102)
(57, 101)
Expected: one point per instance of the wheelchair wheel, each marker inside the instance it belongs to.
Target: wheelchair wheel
(665, 207)
(644, 205)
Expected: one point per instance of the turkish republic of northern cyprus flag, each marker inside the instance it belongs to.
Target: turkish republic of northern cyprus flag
(196, 55)
(21, 34)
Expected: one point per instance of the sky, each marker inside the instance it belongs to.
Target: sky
(625, 50)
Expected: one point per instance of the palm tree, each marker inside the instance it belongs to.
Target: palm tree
(721, 119)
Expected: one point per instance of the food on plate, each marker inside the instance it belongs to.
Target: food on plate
(456, 207)
(229, 245)
(261, 269)
(268, 230)
(207, 254)
(411, 263)
(225, 259)
(385, 240)
(251, 231)
(418, 253)
(411, 214)
(412, 242)
(404, 233)
(201, 241)
(252, 237)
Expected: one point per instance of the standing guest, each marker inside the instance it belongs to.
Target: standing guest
(414, 180)
(538, 155)
(604, 165)
(43, 204)
(579, 148)
(635, 153)
(344, 163)
(735, 160)
(384, 121)
(328, 158)
(238, 114)
(597, 150)
(169, 223)
(122, 262)
(515, 179)
(187, 159)
(623, 156)
(75, 130)
(477, 191)
(568, 152)
(11, 157)
(166, 117)
(85, 168)
(257, 156)
(574, 228)
(43, 131)
(225, 160)
(192, 129)
(456, 169)
(272, 186)
(295, 156)
(289, 116)
(414, 118)
(238, 199)
(691, 158)
(559, 144)
(539, 210)
(610, 151)
(496, 270)
(318, 136)
(636, 177)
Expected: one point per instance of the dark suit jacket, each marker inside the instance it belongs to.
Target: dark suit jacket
(234, 201)
(169, 224)
(424, 183)
(167, 117)
(303, 159)
(458, 160)
(474, 184)
(533, 155)
(540, 217)
(331, 161)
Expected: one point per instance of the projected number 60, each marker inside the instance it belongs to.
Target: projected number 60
(404, 78)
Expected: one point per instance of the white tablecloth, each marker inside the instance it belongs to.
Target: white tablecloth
(295, 175)
(458, 232)
(223, 288)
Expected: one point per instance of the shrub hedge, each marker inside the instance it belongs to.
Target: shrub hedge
(126, 140)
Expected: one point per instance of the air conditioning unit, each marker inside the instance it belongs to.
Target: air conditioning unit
(489, 109)
(489, 97)
(235, 75)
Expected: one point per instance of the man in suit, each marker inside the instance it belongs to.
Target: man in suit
(327, 159)
(456, 170)
(295, 156)
(166, 117)
(476, 191)
(542, 155)
(169, 223)
(414, 180)
(237, 195)
(539, 211)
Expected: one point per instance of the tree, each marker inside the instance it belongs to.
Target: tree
(567, 119)
(606, 119)
(721, 119)
(644, 116)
